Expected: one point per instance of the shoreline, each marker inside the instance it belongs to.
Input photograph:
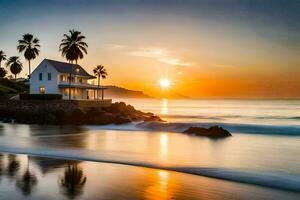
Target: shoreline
(54, 171)
(285, 182)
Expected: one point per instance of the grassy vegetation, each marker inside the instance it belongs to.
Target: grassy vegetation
(11, 87)
(5, 89)
(40, 96)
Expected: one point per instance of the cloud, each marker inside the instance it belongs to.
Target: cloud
(149, 52)
(159, 54)
(116, 46)
(174, 61)
(223, 65)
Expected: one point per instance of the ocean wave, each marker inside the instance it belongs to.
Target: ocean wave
(179, 127)
(232, 127)
(278, 180)
(298, 117)
(218, 117)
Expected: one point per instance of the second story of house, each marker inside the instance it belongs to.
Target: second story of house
(49, 74)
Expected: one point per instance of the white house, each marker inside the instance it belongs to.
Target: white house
(53, 77)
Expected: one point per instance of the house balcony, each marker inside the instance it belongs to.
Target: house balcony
(66, 84)
(83, 92)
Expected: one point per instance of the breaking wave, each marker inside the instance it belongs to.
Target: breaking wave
(232, 127)
(219, 117)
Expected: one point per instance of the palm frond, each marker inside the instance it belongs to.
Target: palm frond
(72, 47)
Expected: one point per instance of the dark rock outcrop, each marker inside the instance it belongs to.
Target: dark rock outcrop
(68, 112)
(122, 120)
(212, 132)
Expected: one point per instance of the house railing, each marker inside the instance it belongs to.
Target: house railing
(66, 83)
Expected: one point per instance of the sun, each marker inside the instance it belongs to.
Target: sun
(164, 83)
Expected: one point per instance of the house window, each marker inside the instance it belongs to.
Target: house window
(40, 76)
(80, 80)
(42, 90)
(49, 77)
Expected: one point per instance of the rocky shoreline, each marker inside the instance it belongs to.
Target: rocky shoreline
(61, 113)
(71, 113)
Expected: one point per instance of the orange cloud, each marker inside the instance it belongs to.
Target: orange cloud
(161, 55)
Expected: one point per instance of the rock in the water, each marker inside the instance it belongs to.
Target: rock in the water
(213, 132)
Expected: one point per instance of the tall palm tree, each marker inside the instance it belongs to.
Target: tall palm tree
(15, 65)
(1, 164)
(72, 47)
(13, 165)
(27, 181)
(2, 56)
(3, 72)
(30, 46)
(100, 72)
(73, 180)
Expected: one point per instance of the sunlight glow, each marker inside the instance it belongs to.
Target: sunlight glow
(164, 83)
(162, 187)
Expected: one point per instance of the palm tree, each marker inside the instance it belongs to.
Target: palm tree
(1, 164)
(2, 56)
(3, 72)
(15, 65)
(30, 46)
(13, 165)
(27, 181)
(73, 180)
(72, 47)
(100, 72)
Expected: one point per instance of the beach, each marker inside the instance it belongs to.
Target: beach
(51, 179)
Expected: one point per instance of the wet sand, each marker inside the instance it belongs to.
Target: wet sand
(49, 178)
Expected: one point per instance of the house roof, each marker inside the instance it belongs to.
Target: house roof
(63, 67)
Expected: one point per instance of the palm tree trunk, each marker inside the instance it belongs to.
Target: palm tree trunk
(29, 69)
(15, 77)
(28, 163)
(98, 86)
(70, 85)
(70, 77)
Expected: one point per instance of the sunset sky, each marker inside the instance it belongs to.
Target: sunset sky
(206, 48)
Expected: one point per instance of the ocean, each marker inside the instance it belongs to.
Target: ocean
(264, 150)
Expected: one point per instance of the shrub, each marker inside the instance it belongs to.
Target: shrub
(3, 72)
(40, 96)
(21, 86)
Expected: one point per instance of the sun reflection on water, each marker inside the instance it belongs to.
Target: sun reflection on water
(164, 107)
(161, 189)
(163, 145)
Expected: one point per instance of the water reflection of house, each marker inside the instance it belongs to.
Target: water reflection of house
(54, 77)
